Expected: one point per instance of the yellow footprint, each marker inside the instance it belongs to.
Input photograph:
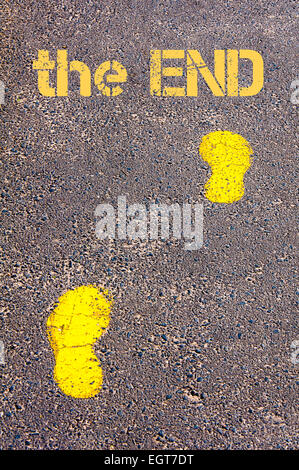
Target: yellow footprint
(73, 327)
(229, 156)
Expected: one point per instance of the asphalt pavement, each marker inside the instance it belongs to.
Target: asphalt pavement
(198, 351)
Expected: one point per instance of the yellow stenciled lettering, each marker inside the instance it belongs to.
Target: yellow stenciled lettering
(173, 71)
(62, 73)
(110, 73)
(233, 57)
(155, 72)
(85, 76)
(195, 64)
(257, 72)
(119, 77)
(232, 72)
(43, 65)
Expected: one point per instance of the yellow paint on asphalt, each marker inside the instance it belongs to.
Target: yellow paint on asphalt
(229, 156)
(73, 327)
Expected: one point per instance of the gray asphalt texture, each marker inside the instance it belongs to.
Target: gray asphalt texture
(197, 354)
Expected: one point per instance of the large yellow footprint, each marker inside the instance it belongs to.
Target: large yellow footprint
(229, 156)
(73, 327)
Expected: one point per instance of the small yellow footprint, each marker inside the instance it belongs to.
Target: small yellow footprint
(73, 327)
(229, 156)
